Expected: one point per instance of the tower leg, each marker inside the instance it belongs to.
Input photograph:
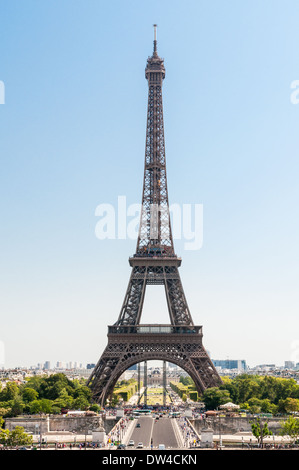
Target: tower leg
(138, 372)
(145, 383)
(164, 383)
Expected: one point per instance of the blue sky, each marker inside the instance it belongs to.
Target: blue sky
(72, 137)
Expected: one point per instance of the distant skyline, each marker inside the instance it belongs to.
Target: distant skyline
(72, 137)
(221, 365)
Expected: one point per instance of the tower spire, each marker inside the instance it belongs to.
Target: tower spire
(155, 39)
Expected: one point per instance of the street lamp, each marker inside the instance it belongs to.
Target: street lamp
(40, 432)
(75, 438)
(220, 437)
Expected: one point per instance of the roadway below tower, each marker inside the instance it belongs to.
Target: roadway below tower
(151, 433)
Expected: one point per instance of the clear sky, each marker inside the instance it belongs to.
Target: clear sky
(72, 137)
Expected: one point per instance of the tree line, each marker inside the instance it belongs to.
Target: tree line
(255, 394)
(45, 394)
(51, 394)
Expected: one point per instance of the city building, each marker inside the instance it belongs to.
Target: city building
(239, 364)
(289, 365)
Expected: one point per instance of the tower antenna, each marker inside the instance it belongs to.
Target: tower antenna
(155, 38)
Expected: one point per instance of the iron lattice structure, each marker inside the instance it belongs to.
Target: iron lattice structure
(154, 262)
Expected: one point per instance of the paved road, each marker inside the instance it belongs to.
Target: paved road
(152, 432)
(144, 433)
(163, 433)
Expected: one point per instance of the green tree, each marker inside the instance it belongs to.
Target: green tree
(80, 403)
(51, 386)
(270, 388)
(214, 397)
(186, 380)
(5, 409)
(291, 404)
(267, 406)
(41, 406)
(246, 387)
(255, 405)
(114, 399)
(95, 407)
(29, 394)
(193, 395)
(4, 436)
(83, 391)
(9, 392)
(287, 388)
(17, 406)
(260, 430)
(17, 437)
(63, 401)
(290, 428)
(288, 405)
(33, 382)
(275, 389)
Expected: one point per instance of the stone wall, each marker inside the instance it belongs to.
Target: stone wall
(31, 424)
(44, 424)
(232, 425)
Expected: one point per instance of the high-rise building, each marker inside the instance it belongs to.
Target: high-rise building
(289, 364)
(230, 364)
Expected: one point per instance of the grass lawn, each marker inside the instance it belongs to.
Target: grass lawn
(155, 395)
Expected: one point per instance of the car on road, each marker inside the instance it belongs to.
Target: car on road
(121, 447)
(138, 425)
(161, 447)
(139, 445)
(131, 443)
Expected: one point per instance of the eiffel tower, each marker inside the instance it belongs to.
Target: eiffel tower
(155, 262)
